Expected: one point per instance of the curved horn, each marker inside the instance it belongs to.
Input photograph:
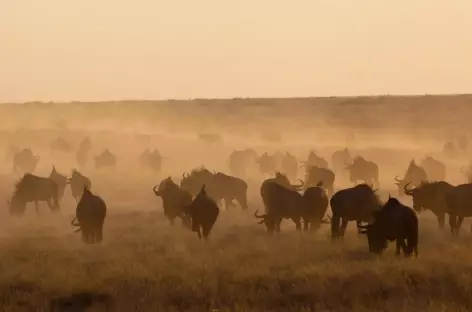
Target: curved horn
(398, 179)
(328, 220)
(154, 190)
(75, 222)
(408, 191)
(299, 186)
(259, 216)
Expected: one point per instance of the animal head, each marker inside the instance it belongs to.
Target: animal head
(266, 220)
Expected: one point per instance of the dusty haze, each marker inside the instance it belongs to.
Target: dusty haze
(101, 50)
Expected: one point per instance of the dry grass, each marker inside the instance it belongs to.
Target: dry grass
(145, 265)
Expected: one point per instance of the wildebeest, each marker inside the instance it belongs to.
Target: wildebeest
(290, 166)
(431, 196)
(282, 179)
(394, 221)
(151, 159)
(459, 201)
(240, 160)
(284, 203)
(314, 161)
(352, 204)
(60, 145)
(90, 216)
(61, 181)
(32, 188)
(414, 175)
(77, 184)
(203, 212)
(174, 200)
(218, 185)
(105, 159)
(25, 160)
(435, 170)
(82, 153)
(363, 170)
(267, 164)
(316, 175)
(340, 159)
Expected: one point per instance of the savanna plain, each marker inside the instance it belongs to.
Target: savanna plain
(145, 264)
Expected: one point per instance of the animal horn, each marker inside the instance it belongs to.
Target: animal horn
(154, 190)
(328, 220)
(299, 186)
(75, 222)
(406, 190)
(398, 179)
(259, 216)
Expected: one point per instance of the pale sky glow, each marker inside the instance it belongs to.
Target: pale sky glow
(154, 49)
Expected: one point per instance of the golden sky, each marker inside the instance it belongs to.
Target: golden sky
(154, 49)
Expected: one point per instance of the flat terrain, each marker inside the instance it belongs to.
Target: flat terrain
(144, 264)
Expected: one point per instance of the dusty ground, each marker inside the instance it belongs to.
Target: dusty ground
(145, 265)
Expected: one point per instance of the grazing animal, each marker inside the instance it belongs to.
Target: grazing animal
(61, 181)
(174, 201)
(414, 175)
(203, 213)
(340, 159)
(459, 201)
(323, 175)
(352, 204)
(32, 188)
(239, 161)
(314, 161)
(285, 203)
(363, 170)
(393, 222)
(435, 170)
(282, 180)
(25, 160)
(77, 184)
(267, 164)
(431, 196)
(90, 216)
(105, 159)
(218, 185)
(151, 159)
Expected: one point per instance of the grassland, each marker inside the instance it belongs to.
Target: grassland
(145, 265)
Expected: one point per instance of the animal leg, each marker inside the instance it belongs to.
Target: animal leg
(343, 227)
(277, 224)
(459, 224)
(441, 221)
(452, 223)
(36, 205)
(298, 224)
(242, 200)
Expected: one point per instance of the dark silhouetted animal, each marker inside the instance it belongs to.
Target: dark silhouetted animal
(284, 203)
(218, 185)
(340, 159)
(393, 222)
(316, 175)
(267, 164)
(203, 213)
(77, 184)
(459, 206)
(61, 181)
(25, 160)
(90, 216)
(352, 204)
(435, 170)
(174, 201)
(363, 170)
(431, 196)
(32, 188)
(414, 175)
(239, 161)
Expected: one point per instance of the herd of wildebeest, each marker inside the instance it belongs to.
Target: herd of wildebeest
(201, 193)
